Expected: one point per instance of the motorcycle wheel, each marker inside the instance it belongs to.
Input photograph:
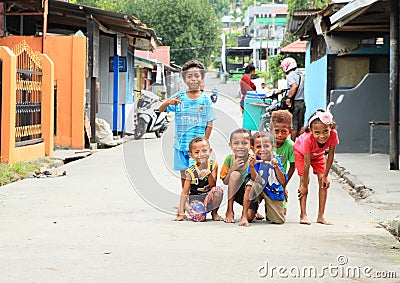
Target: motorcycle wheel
(265, 126)
(159, 133)
(140, 129)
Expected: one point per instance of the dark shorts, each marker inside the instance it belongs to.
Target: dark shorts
(242, 104)
(240, 195)
(208, 198)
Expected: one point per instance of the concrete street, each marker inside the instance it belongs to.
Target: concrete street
(109, 220)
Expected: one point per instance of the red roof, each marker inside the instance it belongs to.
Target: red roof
(298, 46)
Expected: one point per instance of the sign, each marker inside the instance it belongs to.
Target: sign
(117, 44)
(122, 64)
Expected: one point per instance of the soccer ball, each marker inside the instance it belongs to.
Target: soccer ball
(197, 211)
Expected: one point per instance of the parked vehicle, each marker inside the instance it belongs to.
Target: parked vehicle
(214, 94)
(148, 118)
(271, 103)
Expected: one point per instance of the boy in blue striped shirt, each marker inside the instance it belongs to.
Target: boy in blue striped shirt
(194, 114)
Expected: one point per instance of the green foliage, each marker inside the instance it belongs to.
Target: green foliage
(232, 39)
(109, 5)
(306, 4)
(24, 168)
(6, 174)
(221, 7)
(275, 70)
(191, 28)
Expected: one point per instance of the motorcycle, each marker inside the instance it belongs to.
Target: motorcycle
(214, 95)
(148, 118)
(271, 103)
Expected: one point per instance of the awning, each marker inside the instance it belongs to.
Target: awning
(64, 16)
(298, 46)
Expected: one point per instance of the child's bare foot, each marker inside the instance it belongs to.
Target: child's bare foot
(216, 217)
(230, 218)
(244, 222)
(259, 216)
(305, 220)
(322, 220)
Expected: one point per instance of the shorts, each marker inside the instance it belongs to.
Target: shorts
(299, 110)
(240, 195)
(182, 160)
(273, 209)
(318, 164)
(241, 104)
(208, 198)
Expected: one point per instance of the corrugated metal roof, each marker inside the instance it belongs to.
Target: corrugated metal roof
(64, 15)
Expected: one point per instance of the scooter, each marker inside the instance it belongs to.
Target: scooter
(148, 119)
(214, 95)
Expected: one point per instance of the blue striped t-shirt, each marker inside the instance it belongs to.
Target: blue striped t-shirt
(191, 117)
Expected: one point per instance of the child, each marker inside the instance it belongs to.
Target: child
(268, 175)
(309, 149)
(234, 173)
(200, 181)
(193, 114)
(281, 126)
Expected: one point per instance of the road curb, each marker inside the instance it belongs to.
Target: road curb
(352, 180)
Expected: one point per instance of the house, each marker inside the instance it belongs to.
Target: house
(92, 51)
(266, 24)
(347, 62)
(263, 33)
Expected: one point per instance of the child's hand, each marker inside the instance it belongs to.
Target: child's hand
(326, 182)
(274, 162)
(303, 191)
(204, 173)
(238, 163)
(180, 217)
(286, 194)
(174, 101)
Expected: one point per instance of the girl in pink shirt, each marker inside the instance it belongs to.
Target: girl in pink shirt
(309, 149)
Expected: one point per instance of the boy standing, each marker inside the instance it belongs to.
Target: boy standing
(234, 173)
(281, 126)
(200, 182)
(193, 114)
(267, 171)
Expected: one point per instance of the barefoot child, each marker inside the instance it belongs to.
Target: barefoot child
(235, 174)
(268, 174)
(194, 114)
(309, 149)
(282, 127)
(200, 181)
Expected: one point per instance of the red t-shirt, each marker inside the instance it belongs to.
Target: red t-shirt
(246, 85)
(307, 144)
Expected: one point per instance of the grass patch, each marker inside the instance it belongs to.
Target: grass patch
(18, 170)
(24, 168)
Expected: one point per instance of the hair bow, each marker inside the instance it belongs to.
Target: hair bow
(325, 117)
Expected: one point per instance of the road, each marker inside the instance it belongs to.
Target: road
(109, 220)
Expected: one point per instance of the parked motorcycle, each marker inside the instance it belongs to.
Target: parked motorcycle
(148, 118)
(271, 103)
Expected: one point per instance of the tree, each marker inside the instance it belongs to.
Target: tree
(191, 28)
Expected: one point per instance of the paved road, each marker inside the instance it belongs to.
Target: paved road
(109, 220)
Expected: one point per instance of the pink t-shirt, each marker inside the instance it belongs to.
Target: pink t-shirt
(306, 144)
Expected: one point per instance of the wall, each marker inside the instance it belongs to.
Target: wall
(368, 101)
(125, 87)
(68, 54)
(315, 84)
(10, 153)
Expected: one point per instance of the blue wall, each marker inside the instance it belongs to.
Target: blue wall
(315, 83)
